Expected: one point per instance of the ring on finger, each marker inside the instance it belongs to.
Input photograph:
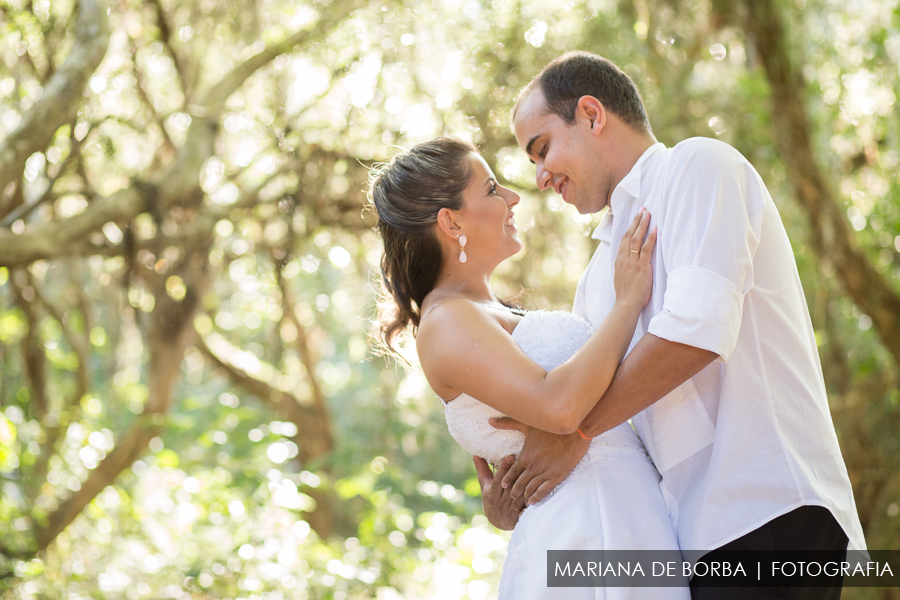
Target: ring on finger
(635, 251)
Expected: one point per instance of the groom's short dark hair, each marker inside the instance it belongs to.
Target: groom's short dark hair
(577, 74)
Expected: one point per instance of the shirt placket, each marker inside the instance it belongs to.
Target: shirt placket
(604, 296)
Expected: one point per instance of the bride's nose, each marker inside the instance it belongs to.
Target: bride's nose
(512, 198)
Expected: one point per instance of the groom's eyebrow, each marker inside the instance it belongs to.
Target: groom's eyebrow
(530, 144)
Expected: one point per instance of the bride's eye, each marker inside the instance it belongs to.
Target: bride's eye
(493, 189)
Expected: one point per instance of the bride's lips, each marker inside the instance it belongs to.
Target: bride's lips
(511, 220)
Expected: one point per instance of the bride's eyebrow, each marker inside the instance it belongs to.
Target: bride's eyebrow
(488, 182)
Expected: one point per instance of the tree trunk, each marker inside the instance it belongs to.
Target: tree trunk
(832, 237)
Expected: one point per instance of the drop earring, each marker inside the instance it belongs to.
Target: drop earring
(462, 249)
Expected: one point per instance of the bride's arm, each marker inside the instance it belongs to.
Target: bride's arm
(464, 349)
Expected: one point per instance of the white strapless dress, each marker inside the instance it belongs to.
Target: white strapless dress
(610, 501)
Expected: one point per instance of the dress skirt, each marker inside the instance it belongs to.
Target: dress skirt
(611, 501)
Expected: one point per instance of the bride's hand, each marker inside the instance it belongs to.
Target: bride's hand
(633, 278)
(500, 508)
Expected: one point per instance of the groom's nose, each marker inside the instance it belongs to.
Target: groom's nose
(542, 177)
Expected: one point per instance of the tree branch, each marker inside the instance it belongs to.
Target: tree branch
(23, 210)
(127, 450)
(61, 95)
(213, 101)
(324, 441)
(170, 328)
(56, 238)
(178, 185)
(32, 349)
(282, 401)
(79, 344)
(313, 435)
(168, 145)
(165, 35)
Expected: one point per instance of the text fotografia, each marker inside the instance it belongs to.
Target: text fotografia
(648, 568)
(831, 569)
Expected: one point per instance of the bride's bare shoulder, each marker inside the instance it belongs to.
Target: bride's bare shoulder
(451, 323)
(447, 313)
(447, 337)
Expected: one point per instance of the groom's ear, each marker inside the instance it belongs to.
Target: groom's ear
(593, 111)
(448, 224)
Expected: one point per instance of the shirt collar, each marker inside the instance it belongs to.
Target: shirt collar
(628, 189)
(631, 183)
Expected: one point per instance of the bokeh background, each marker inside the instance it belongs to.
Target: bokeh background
(189, 404)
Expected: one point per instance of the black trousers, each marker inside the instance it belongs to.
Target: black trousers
(804, 528)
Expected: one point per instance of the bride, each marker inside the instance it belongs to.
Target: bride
(446, 224)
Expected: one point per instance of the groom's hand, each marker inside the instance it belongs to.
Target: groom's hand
(545, 460)
(500, 509)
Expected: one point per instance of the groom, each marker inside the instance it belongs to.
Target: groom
(722, 381)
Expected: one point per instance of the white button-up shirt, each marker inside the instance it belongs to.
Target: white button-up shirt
(750, 437)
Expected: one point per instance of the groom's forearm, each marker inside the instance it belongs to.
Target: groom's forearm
(652, 369)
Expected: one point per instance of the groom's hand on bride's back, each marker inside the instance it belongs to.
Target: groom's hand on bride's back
(545, 460)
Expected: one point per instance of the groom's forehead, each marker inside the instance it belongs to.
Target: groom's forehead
(528, 123)
(531, 106)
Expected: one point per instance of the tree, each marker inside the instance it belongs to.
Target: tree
(187, 268)
(166, 255)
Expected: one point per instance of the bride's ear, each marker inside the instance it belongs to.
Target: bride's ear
(448, 224)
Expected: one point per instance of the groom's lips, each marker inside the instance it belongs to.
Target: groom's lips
(562, 186)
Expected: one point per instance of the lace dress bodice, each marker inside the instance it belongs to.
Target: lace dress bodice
(549, 338)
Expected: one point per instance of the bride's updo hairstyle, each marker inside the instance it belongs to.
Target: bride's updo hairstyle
(408, 192)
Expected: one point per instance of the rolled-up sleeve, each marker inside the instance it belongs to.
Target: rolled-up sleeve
(708, 240)
(701, 309)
